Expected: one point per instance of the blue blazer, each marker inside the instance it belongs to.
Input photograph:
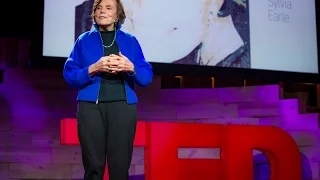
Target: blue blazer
(88, 49)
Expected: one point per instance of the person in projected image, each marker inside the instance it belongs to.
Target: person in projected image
(199, 32)
(202, 32)
(104, 65)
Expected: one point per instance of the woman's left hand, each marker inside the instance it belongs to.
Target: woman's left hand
(120, 63)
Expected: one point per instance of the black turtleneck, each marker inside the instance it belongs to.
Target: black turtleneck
(112, 86)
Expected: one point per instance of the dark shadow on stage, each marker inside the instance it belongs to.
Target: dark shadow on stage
(1, 75)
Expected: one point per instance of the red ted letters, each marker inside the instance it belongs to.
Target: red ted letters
(162, 140)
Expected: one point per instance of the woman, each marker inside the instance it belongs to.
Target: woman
(104, 64)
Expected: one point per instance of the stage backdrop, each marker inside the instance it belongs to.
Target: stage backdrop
(33, 103)
(270, 34)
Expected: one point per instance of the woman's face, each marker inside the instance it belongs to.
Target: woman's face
(106, 13)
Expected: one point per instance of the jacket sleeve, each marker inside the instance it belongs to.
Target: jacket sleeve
(143, 70)
(74, 74)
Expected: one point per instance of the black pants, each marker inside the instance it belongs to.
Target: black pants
(106, 129)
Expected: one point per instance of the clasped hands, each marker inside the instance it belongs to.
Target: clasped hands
(112, 64)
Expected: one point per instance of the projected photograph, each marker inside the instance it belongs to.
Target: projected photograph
(277, 35)
(197, 32)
